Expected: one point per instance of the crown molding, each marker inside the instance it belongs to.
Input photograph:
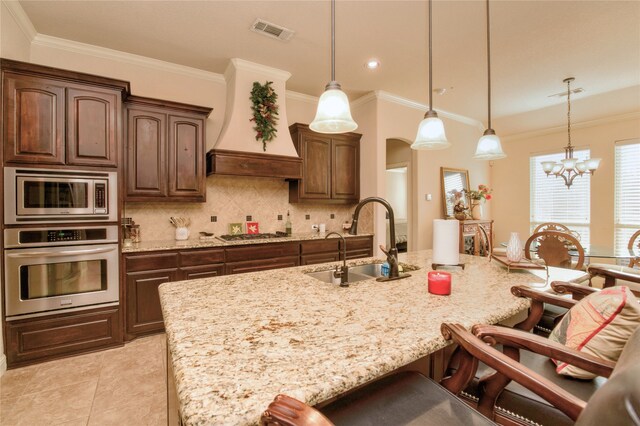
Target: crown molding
(582, 125)
(297, 96)
(105, 53)
(21, 19)
(389, 97)
(241, 64)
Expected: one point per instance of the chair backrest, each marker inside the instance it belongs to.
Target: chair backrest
(551, 226)
(553, 247)
(634, 242)
(618, 400)
(484, 240)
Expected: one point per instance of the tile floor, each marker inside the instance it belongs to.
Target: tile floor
(122, 386)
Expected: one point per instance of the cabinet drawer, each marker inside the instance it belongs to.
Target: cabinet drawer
(201, 257)
(202, 271)
(320, 246)
(312, 259)
(261, 265)
(262, 251)
(150, 262)
(44, 338)
(355, 243)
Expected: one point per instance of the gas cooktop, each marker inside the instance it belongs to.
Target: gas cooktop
(242, 237)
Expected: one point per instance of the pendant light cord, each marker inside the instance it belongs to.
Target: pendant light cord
(488, 68)
(430, 67)
(569, 110)
(333, 40)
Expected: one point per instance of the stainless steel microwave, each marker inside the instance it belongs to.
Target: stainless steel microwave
(34, 195)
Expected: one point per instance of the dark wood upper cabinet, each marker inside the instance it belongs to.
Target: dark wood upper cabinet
(330, 167)
(146, 154)
(165, 149)
(186, 157)
(92, 127)
(34, 119)
(57, 117)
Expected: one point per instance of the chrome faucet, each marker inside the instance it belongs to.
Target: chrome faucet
(392, 253)
(341, 272)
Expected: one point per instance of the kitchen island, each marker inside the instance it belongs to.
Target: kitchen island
(234, 342)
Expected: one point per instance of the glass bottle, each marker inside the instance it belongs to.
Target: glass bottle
(287, 224)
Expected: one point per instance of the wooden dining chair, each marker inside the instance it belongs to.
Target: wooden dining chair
(634, 243)
(554, 248)
(404, 402)
(551, 226)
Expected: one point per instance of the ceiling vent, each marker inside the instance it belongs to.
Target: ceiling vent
(268, 29)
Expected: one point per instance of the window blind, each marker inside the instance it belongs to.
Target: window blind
(627, 192)
(552, 201)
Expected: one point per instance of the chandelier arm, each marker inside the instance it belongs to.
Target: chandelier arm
(569, 112)
(566, 181)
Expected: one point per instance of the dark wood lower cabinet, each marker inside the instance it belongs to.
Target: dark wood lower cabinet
(145, 271)
(56, 336)
(144, 314)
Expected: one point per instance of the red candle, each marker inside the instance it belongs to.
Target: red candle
(439, 283)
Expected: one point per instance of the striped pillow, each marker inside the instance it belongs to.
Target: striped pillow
(600, 325)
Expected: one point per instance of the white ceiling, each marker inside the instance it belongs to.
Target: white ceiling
(535, 44)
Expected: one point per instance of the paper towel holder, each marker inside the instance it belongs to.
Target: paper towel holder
(435, 266)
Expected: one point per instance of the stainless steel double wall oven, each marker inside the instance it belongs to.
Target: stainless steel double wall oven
(52, 262)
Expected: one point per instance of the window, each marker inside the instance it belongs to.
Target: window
(627, 196)
(552, 201)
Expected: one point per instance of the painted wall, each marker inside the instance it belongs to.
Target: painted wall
(14, 43)
(510, 177)
(400, 121)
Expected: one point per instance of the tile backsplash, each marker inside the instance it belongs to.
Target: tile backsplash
(231, 199)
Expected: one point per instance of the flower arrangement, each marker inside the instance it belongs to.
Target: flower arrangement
(482, 193)
(265, 112)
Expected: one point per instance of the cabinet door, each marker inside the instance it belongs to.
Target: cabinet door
(316, 167)
(92, 127)
(144, 314)
(358, 247)
(345, 165)
(33, 120)
(146, 171)
(186, 158)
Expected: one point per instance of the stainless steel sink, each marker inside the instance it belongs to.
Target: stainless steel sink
(325, 276)
(372, 269)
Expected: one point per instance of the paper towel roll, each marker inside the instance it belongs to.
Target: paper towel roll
(445, 242)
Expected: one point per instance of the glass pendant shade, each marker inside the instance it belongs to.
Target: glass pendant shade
(569, 163)
(592, 164)
(557, 168)
(547, 166)
(431, 133)
(333, 114)
(581, 166)
(489, 147)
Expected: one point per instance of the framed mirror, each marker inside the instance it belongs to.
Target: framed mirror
(453, 181)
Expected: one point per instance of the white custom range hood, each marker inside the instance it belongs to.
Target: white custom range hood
(237, 152)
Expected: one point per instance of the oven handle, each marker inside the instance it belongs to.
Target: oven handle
(61, 253)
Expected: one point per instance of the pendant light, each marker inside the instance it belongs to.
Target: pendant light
(333, 114)
(431, 129)
(570, 167)
(489, 147)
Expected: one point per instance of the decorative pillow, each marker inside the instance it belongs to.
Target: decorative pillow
(600, 325)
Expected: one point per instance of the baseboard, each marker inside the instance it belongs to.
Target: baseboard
(3, 364)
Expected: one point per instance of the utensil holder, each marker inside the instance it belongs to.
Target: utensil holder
(182, 233)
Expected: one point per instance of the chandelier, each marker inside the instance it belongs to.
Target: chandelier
(570, 167)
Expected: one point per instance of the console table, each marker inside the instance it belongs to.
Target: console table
(469, 228)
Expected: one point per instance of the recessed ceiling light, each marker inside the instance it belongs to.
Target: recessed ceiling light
(372, 64)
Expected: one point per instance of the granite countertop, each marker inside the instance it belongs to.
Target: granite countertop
(215, 242)
(237, 341)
